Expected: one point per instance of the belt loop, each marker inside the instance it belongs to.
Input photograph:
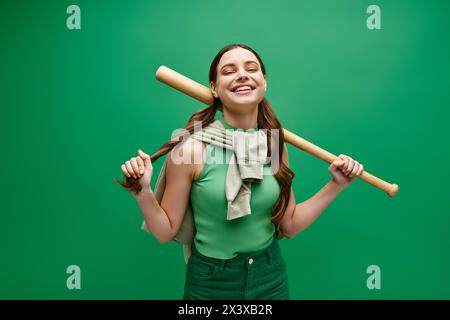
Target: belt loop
(222, 265)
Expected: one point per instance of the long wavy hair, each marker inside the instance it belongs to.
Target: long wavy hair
(266, 120)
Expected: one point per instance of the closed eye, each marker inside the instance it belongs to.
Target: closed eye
(252, 70)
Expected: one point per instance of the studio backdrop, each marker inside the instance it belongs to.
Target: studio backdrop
(79, 97)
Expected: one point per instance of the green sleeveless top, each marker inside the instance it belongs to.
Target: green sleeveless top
(216, 236)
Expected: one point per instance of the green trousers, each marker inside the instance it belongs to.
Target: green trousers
(259, 275)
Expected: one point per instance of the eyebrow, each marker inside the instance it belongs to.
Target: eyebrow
(232, 64)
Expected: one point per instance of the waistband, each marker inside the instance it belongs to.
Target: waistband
(266, 253)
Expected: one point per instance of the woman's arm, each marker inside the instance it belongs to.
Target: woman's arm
(300, 216)
(164, 220)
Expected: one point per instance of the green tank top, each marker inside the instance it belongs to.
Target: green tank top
(216, 236)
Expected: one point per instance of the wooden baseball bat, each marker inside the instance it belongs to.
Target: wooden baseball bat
(203, 94)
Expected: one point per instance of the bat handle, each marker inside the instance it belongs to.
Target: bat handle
(390, 188)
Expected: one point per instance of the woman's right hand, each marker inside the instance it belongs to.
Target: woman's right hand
(139, 167)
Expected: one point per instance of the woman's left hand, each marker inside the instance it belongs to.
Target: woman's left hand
(344, 170)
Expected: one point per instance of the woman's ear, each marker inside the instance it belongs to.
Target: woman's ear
(213, 90)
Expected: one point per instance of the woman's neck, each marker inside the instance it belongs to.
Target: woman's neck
(244, 121)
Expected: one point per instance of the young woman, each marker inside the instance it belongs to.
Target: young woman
(240, 258)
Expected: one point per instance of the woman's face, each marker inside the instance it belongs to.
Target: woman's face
(239, 69)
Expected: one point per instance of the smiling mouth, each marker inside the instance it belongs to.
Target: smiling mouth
(243, 92)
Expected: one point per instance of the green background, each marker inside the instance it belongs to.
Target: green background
(76, 104)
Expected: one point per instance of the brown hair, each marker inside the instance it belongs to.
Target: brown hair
(266, 120)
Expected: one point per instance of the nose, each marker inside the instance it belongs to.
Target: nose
(242, 74)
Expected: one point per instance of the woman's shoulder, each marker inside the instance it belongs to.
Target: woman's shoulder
(190, 152)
